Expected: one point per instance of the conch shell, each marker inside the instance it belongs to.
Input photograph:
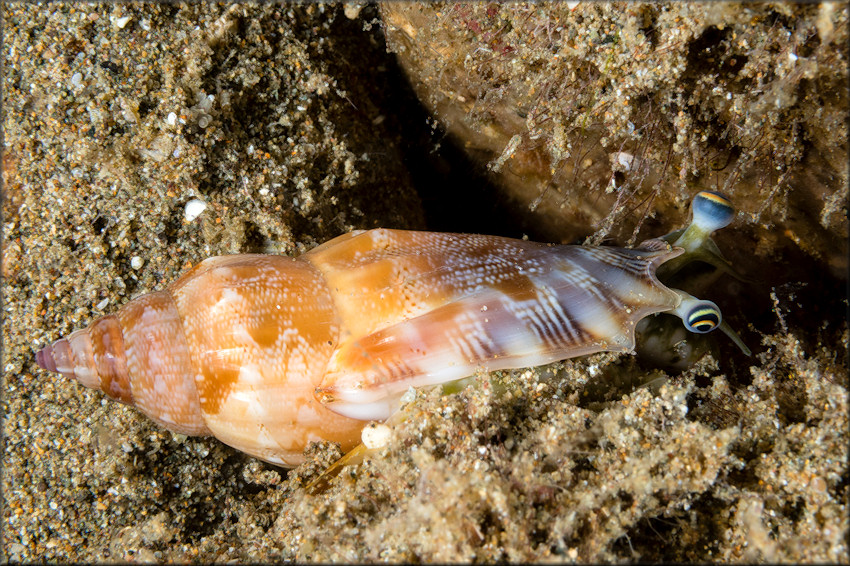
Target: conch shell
(268, 353)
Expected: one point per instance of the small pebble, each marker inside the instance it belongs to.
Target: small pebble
(352, 9)
(408, 396)
(376, 436)
(136, 262)
(194, 208)
(120, 22)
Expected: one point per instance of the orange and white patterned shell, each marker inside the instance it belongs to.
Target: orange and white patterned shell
(268, 353)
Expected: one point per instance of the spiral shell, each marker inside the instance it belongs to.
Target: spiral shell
(268, 353)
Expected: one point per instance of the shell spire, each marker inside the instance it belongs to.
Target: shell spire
(94, 357)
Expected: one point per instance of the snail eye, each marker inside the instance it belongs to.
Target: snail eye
(703, 317)
(712, 211)
(698, 316)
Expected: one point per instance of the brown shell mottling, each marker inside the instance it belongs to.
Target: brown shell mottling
(269, 353)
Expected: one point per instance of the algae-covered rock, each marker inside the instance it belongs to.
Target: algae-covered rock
(595, 115)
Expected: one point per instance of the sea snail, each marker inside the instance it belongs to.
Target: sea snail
(269, 353)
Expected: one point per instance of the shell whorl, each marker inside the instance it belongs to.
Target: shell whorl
(260, 330)
(137, 356)
(428, 308)
(159, 364)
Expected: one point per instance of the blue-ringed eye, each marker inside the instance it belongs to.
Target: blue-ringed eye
(697, 315)
(712, 211)
(703, 318)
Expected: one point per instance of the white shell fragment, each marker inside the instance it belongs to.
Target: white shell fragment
(376, 436)
(121, 22)
(623, 159)
(194, 208)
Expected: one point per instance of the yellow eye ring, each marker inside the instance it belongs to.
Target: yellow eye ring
(703, 318)
(712, 211)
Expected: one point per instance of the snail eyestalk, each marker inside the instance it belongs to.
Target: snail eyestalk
(701, 317)
(710, 212)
